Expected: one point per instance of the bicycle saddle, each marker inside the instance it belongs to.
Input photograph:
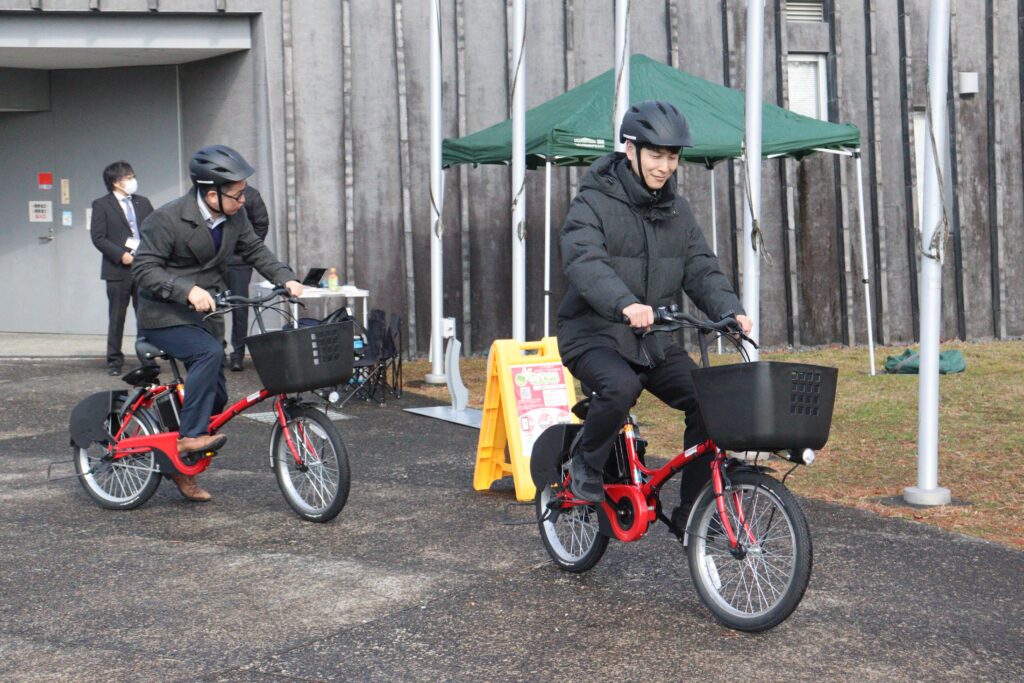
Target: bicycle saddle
(147, 350)
(582, 406)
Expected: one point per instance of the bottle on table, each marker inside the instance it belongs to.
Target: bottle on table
(332, 280)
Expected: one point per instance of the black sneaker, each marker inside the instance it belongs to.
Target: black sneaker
(585, 482)
(680, 514)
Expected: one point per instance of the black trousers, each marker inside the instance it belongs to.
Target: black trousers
(237, 279)
(120, 293)
(618, 384)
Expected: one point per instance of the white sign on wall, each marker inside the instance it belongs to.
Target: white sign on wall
(40, 212)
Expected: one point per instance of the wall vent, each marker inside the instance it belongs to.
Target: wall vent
(805, 11)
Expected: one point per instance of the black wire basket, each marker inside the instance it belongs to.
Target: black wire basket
(767, 405)
(307, 358)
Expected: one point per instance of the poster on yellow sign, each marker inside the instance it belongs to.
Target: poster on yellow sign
(528, 390)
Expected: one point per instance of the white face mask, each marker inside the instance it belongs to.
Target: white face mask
(131, 186)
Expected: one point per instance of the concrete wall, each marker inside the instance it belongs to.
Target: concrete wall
(332, 102)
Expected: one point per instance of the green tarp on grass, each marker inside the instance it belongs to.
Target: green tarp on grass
(909, 363)
(576, 126)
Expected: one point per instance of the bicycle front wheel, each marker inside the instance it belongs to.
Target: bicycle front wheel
(759, 585)
(122, 483)
(316, 485)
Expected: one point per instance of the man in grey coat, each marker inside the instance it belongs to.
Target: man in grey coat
(179, 268)
(629, 244)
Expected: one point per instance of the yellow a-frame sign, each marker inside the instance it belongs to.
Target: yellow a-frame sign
(528, 390)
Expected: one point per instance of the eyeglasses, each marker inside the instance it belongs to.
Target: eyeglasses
(236, 197)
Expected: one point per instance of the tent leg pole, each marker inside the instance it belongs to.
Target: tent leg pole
(864, 259)
(714, 228)
(547, 248)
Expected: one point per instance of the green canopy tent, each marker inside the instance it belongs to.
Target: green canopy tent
(575, 128)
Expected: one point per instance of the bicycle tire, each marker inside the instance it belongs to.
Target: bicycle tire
(318, 491)
(763, 587)
(570, 536)
(125, 483)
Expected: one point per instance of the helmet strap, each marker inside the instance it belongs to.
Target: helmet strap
(639, 171)
(220, 201)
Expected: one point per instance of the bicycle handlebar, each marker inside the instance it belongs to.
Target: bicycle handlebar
(227, 298)
(670, 320)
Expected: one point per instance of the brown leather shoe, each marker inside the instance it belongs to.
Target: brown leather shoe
(205, 442)
(189, 488)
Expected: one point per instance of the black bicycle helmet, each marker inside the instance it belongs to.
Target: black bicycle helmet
(655, 123)
(218, 165)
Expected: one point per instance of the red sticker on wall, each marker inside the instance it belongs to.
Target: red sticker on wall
(45, 181)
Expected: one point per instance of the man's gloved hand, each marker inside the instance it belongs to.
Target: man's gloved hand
(640, 316)
(201, 300)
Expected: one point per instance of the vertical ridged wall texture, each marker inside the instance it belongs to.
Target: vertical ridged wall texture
(350, 115)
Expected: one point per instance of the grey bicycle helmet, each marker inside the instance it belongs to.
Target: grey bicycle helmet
(218, 165)
(655, 123)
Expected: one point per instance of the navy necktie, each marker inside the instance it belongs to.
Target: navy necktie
(217, 233)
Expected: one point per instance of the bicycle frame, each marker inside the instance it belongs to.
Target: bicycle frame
(642, 493)
(166, 443)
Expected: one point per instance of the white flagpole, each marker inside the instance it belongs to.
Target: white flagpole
(928, 491)
(519, 171)
(621, 69)
(752, 154)
(436, 375)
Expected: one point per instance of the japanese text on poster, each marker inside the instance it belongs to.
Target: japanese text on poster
(541, 399)
(40, 212)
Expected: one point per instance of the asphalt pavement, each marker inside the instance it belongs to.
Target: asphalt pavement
(420, 578)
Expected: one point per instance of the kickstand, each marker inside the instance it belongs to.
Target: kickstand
(508, 521)
(49, 471)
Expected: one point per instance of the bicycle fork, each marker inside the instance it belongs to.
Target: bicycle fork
(282, 419)
(719, 483)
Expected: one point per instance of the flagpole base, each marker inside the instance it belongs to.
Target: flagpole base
(930, 497)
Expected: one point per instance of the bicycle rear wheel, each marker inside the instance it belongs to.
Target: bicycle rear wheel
(570, 535)
(760, 586)
(122, 483)
(316, 489)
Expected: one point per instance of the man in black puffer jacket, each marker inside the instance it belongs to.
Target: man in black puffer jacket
(629, 244)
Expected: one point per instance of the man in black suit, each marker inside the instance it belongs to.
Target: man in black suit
(186, 244)
(239, 273)
(116, 217)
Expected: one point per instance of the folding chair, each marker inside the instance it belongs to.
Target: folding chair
(392, 357)
(368, 370)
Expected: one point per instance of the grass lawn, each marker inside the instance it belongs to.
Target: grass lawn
(872, 450)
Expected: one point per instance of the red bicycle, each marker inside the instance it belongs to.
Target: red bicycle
(123, 441)
(747, 539)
